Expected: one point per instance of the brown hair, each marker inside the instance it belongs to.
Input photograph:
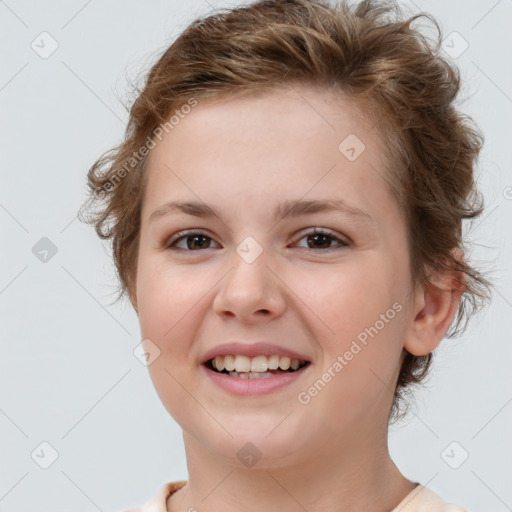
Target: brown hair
(368, 52)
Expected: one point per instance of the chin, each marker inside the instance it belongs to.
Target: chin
(258, 444)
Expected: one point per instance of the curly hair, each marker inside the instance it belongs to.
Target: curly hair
(368, 52)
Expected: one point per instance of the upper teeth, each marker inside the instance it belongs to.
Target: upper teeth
(255, 364)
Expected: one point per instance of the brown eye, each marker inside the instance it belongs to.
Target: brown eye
(193, 240)
(321, 239)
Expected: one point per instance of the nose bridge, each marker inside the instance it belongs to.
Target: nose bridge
(250, 285)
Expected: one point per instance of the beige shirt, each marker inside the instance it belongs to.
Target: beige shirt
(420, 499)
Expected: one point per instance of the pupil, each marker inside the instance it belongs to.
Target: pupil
(316, 236)
(190, 245)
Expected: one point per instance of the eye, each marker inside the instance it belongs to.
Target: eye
(192, 239)
(322, 237)
(198, 240)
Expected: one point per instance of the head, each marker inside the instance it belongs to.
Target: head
(254, 106)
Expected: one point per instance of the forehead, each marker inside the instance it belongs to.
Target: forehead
(294, 113)
(287, 142)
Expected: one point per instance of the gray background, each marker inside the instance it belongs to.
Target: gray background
(68, 374)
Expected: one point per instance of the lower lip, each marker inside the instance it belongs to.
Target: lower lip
(244, 387)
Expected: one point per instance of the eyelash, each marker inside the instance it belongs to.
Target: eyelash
(321, 231)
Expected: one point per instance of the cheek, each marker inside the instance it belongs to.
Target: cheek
(169, 305)
(173, 302)
(359, 326)
(345, 300)
(166, 297)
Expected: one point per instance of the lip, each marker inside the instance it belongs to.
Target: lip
(245, 387)
(260, 348)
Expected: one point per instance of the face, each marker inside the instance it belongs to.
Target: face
(327, 285)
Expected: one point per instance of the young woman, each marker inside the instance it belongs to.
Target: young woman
(286, 212)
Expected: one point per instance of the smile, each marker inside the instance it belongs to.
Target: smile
(258, 367)
(259, 375)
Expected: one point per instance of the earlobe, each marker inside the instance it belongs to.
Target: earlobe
(434, 309)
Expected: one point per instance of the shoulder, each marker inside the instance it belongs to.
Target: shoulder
(158, 502)
(423, 499)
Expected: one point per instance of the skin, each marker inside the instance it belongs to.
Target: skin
(243, 157)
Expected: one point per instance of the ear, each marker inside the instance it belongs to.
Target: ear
(433, 310)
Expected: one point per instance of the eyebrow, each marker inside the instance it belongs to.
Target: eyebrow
(285, 209)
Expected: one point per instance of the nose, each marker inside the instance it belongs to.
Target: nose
(251, 291)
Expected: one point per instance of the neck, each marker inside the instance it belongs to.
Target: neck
(342, 475)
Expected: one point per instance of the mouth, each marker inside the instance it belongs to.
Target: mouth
(257, 367)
